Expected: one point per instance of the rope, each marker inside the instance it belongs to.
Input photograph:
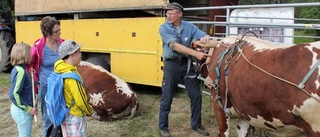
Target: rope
(201, 87)
(226, 93)
(281, 79)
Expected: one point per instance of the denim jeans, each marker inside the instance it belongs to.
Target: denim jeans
(23, 120)
(45, 118)
(174, 72)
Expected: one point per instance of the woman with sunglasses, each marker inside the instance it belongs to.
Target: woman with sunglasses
(44, 54)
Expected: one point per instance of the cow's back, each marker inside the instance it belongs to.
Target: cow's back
(111, 97)
(262, 99)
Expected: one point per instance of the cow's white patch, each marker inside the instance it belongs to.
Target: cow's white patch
(123, 86)
(259, 44)
(315, 60)
(120, 84)
(259, 122)
(95, 99)
(232, 113)
(227, 132)
(282, 130)
(309, 112)
(244, 126)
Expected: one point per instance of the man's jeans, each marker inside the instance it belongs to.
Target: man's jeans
(174, 71)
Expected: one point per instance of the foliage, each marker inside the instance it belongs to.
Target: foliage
(300, 12)
(307, 12)
(251, 2)
(299, 40)
(310, 13)
(303, 15)
(4, 6)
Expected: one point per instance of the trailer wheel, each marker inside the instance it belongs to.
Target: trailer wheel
(6, 43)
(100, 62)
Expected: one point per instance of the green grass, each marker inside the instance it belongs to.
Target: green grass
(298, 40)
(4, 79)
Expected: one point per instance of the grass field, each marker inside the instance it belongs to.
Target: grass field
(299, 40)
(144, 124)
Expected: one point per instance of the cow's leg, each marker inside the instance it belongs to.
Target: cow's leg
(242, 128)
(101, 115)
(221, 119)
(312, 134)
(94, 115)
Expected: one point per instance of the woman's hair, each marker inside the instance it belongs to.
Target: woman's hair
(20, 54)
(47, 24)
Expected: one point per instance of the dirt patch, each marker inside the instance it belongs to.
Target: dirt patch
(4, 90)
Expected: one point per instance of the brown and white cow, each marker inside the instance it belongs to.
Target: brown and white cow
(111, 97)
(260, 86)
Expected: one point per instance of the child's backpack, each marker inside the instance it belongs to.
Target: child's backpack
(55, 102)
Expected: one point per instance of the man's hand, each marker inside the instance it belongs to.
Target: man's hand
(205, 39)
(200, 55)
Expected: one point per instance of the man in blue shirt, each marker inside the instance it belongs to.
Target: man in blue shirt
(177, 36)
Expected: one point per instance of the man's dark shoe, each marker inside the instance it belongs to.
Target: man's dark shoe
(164, 133)
(201, 131)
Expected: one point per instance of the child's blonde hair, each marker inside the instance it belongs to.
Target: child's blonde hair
(20, 54)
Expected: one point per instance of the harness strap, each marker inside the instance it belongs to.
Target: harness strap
(219, 57)
(206, 81)
(302, 83)
(188, 68)
(217, 90)
(217, 80)
(215, 85)
(218, 75)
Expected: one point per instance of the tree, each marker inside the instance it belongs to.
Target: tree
(250, 2)
(300, 12)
